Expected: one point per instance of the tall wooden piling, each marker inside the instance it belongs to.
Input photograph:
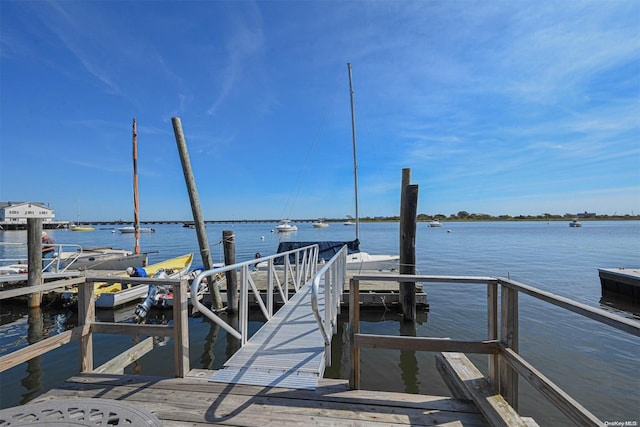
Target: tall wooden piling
(229, 244)
(34, 253)
(408, 222)
(195, 206)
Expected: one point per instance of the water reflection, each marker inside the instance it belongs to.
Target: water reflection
(380, 322)
(33, 381)
(620, 305)
(408, 360)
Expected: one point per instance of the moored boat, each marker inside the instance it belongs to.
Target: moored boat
(82, 228)
(285, 226)
(117, 294)
(133, 230)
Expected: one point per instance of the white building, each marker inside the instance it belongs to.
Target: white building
(18, 212)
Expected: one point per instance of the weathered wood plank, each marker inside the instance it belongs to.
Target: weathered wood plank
(27, 353)
(132, 329)
(569, 406)
(470, 382)
(425, 344)
(187, 401)
(13, 293)
(121, 361)
(628, 325)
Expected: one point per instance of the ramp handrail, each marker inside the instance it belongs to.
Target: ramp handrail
(334, 273)
(298, 272)
(55, 263)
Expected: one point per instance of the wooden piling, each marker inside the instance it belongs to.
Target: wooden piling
(195, 206)
(34, 253)
(229, 244)
(404, 268)
(408, 222)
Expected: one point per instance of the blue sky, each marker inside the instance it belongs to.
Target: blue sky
(497, 107)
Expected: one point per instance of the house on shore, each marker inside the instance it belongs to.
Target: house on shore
(14, 215)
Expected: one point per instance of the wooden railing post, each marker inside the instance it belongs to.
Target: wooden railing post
(509, 338)
(181, 329)
(354, 326)
(86, 317)
(492, 330)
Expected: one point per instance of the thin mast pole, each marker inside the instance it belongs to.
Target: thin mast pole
(136, 219)
(355, 159)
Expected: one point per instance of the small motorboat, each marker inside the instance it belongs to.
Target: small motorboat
(435, 223)
(320, 224)
(286, 226)
(575, 223)
(133, 230)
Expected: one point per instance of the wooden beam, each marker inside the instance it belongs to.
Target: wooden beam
(569, 406)
(124, 359)
(13, 293)
(181, 329)
(628, 325)
(354, 323)
(86, 317)
(509, 338)
(481, 280)
(131, 329)
(468, 382)
(492, 331)
(425, 344)
(27, 353)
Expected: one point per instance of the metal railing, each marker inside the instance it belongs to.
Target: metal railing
(334, 274)
(55, 264)
(296, 273)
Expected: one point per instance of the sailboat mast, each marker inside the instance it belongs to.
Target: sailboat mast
(355, 159)
(136, 220)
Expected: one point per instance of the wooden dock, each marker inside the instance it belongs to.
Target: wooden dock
(104, 396)
(195, 401)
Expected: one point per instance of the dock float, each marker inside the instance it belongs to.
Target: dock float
(621, 281)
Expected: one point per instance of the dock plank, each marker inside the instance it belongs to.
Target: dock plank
(189, 401)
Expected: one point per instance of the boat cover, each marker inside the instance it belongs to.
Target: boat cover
(326, 249)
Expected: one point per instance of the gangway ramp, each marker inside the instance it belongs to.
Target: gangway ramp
(288, 351)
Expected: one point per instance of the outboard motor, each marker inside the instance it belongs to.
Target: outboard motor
(143, 309)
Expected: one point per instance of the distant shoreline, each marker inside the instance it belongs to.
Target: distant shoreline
(422, 218)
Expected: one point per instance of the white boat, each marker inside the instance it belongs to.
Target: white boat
(174, 268)
(320, 224)
(575, 223)
(101, 258)
(133, 230)
(435, 223)
(115, 294)
(285, 226)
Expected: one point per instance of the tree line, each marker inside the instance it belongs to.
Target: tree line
(466, 216)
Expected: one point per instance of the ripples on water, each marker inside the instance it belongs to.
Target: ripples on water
(595, 364)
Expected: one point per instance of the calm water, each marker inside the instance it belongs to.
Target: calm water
(597, 365)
